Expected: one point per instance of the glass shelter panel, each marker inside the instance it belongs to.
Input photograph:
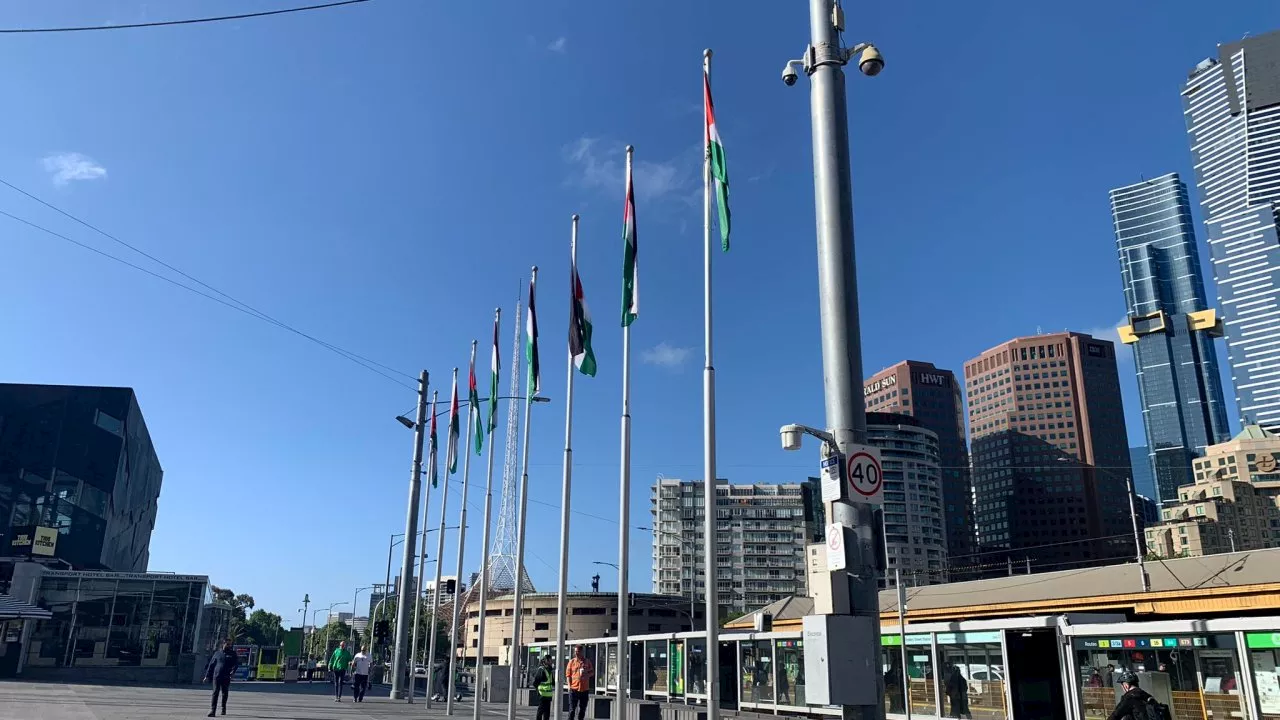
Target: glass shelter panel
(756, 666)
(973, 675)
(790, 679)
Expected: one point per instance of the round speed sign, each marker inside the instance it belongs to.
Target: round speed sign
(864, 474)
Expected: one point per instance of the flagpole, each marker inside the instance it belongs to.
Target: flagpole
(422, 559)
(624, 511)
(430, 660)
(484, 549)
(517, 619)
(462, 541)
(565, 487)
(711, 613)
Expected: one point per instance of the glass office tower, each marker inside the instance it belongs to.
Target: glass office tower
(1171, 328)
(1232, 110)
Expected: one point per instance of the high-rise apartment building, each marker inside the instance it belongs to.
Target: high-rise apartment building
(1231, 104)
(1050, 456)
(761, 533)
(932, 396)
(79, 477)
(914, 527)
(1170, 328)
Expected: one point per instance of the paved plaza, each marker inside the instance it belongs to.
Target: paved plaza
(20, 700)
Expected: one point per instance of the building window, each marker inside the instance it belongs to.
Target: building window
(541, 626)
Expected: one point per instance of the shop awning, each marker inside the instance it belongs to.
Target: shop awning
(13, 609)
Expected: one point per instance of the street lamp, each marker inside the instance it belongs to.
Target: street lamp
(351, 632)
(823, 61)
(693, 574)
(612, 565)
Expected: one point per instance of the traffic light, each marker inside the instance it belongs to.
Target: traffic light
(450, 586)
(381, 630)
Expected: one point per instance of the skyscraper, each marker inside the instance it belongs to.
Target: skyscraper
(1232, 110)
(932, 396)
(1050, 456)
(1170, 328)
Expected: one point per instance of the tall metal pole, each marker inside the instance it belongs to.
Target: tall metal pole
(488, 512)
(841, 340)
(444, 507)
(517, 609)
(624, 510)
(351, 631)
(565, 493)
(902, 631)
(306, 600)
(420, 586)
(1137, 541)
(711, 611)
(386, 588)
(410, 528)
(462, 536)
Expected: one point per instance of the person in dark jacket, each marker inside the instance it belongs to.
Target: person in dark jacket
(222, 665)
(1134, 700)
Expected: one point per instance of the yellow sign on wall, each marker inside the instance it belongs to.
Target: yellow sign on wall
(45, 542)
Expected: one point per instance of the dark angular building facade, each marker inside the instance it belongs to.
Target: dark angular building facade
(79, 477)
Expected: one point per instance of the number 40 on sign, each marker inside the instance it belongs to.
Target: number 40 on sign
(864, 475)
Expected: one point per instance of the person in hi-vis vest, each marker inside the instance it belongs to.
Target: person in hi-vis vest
(545, 680)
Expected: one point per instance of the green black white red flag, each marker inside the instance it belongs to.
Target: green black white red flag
(452, 452)
(531, 345)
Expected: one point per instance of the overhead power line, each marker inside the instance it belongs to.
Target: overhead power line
(189, 21)
(214, 294)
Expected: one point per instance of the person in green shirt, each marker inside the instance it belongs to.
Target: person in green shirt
(338, 664)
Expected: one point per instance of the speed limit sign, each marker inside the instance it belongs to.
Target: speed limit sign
(864, 475)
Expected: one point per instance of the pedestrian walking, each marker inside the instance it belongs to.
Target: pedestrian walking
(360, 675)
(545, 680)
(579, 673)
(222, 665)
(338, 664)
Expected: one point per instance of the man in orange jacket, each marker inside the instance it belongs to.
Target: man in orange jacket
(580, 674)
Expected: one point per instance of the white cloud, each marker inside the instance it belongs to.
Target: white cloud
(1109, 332)
(559, 45)
(68, 166)
(666, 355)
(597, 168)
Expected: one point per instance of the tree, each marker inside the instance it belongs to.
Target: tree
(264, 628)
(388, 612)
(238, 605)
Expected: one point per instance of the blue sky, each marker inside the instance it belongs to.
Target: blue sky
(382, 176)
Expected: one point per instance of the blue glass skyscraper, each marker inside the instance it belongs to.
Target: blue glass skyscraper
(1170, 328)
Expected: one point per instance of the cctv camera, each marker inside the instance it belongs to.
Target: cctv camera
(789, 75)
(792, 435)
(871, 62)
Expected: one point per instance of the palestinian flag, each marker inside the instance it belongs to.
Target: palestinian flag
(630, 290)
(452, 448)
(715, 155)
(495, 367)
(434, 474)
(534, 385)
(473, 401)
(579, 324)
